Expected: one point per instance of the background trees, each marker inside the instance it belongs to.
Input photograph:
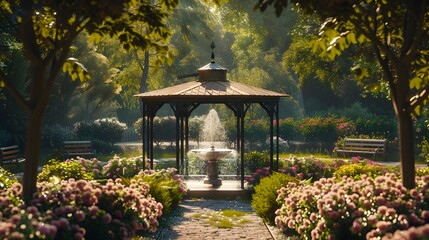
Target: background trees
(396, 33)
(46, 31)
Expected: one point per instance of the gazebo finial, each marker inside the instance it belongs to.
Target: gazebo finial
(213, 47)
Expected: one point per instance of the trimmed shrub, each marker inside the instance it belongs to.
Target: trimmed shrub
(64, 171)
(107, 130)
(256, 160)
(164, 129)
(165, 186)
(54, 136)
(319, 129)
(381, 126)
(264, 199)
(289, 129)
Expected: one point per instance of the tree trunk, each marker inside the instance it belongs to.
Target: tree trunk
(32, 154)
(145, 72)
(406, 147)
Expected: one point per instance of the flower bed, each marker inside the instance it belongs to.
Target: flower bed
(65, 208)
(352, 209)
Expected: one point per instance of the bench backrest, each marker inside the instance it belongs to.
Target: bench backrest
(72, 147)
(9, 153)
(364, 144)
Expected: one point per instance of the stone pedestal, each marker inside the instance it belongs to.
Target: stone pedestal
(213, 174)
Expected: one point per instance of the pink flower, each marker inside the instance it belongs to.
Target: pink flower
(79, 215)
(107, 218)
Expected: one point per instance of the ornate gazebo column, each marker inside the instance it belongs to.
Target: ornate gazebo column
(148, 114)
(272, 109)
(240, 109)
(182, 111)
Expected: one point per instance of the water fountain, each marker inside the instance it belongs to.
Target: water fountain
(212, 131)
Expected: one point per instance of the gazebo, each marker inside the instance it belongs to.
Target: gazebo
(211, 87)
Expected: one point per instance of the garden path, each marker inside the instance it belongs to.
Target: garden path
(190, 222)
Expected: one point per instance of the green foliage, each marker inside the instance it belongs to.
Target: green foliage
(289, 129)
(423, 171)
(380, 126)
(319, 129)
(55, 170)
(7, 179)
(164, 129)
(264, 199)
(356, 171)
(108, 130)
(54, 136)
(424, 150)
(165, 186)
(256, 160)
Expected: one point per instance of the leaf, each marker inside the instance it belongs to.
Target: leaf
(416, 83)
(2, 84)
(361, 38)
(95, 38)
(75, 69)
(351, 38)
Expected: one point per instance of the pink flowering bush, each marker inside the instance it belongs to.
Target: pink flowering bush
(413, 233)
(166, 186)
(310, 167)
(346, 129)
(352, 209)
(257, 176)
(91, 165)
(123, 167)
(80, 209)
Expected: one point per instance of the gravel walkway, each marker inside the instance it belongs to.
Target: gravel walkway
(187, 222)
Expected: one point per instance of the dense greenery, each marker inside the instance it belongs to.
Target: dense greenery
(264, 199)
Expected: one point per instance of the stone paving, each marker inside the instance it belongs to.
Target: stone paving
(184, 225)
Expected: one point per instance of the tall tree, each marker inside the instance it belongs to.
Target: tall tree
(47, 29)
(397, 33)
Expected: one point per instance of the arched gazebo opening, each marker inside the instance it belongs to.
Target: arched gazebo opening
(211, 87)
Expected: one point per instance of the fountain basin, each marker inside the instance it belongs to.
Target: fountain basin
(212, 156)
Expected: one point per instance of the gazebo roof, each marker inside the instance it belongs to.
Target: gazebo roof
(211, 91)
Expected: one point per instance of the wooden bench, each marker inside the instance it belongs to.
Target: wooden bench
(10, 155)
(363, 146)
(78, 149)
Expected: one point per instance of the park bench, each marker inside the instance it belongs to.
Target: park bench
(78, 149)
(10, 155)
(362, 146)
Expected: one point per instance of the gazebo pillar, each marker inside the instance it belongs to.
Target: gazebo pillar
(182, 111)
(240, 109)
(272, 111)
(149, 113)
